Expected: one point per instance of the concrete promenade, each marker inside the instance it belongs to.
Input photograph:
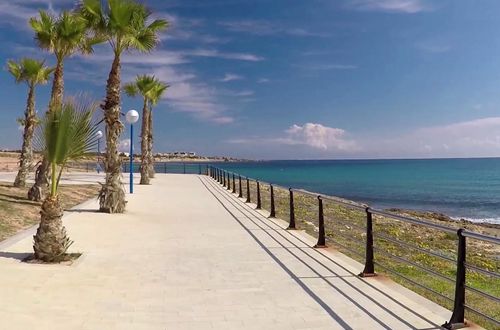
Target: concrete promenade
(190, 255)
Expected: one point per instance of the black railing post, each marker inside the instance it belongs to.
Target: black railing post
(184, 167)
(223, 178)
(248, 191)
(273, 210)
(228, 181)
(259, 206)
(321, 224)
(234, 185)
(239, 183)
(457, 319)
(291, 225)
(369, 269)
(199, 169)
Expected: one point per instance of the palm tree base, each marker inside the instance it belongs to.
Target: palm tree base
(151, 171)
(112, 196)
(41, 181)
(144, 173)
(51, 242)
(35, 194)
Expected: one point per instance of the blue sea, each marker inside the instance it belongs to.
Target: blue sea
(460, 188)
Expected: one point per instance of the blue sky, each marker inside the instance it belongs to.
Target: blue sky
(295, 79)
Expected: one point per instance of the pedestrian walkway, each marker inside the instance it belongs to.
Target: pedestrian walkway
(188, 254)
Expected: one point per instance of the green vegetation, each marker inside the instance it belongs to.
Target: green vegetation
(67, 134)
(151, 90)
(61, 36)
(19, 213)
(33, 73)
(126, 26)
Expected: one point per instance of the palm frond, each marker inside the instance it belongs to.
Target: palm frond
(158, 25)
(157, 92)
(15, 70)
(68, 133)
(124, 23)
(62, 35)
(44, 30)
(29, 70)
(131, 89)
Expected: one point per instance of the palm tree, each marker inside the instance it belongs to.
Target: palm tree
(156, 93)
(32, 72)
(143, 85)
(62, 36)
(151, 90)
(67, 133)
(125, 25)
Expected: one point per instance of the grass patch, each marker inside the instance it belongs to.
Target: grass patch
(18, 213)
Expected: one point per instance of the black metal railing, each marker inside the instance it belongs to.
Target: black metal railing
(171, 167)
(369, 226)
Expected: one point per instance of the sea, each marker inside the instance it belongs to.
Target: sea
(460, 188)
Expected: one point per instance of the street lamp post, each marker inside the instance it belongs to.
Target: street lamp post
(98, 136)
(132, 117)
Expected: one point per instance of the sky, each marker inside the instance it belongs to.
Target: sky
(295, 79)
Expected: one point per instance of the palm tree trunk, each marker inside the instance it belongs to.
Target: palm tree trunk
(51, 242)
(26, 156)
(150, 146)
(145, 144)
(112, 196)
(42, 172)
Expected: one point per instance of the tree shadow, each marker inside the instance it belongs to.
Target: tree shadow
(15, 255)
(82, 211)
(18, 200)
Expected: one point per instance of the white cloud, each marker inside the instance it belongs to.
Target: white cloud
(263, 80)
(432, 46)
(230, 77)
(224, 55)
(183, 29)
(16, 15)
(314, 68)
(334, 67)
(474, 138)
(18, 12)
(164, 57)
(267, 28)
(320, 137)
(244, 93)
(311, 135)
(124, 145)
(394, 6)
(197, 99)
